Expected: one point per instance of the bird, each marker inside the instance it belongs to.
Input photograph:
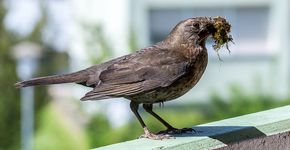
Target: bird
(155, 74)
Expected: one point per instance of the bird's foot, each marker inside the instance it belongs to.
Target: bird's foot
(150, 135)
(177, 131)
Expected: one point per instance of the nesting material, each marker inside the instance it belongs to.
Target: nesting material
(221, 35)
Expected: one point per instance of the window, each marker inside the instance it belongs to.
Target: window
(249, 26)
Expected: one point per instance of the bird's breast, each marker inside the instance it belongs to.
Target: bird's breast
(190, 79)
(180, 86)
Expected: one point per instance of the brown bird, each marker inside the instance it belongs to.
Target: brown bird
(154, 74)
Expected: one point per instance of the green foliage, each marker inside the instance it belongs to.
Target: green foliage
(9, 99)
(239, 103)
(55, 133)
(99, 49)
(98, 125)
(132, 40)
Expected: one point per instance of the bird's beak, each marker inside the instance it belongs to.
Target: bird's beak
(209, 28)
(204, 31)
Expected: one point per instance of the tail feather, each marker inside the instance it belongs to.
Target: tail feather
(80, 76)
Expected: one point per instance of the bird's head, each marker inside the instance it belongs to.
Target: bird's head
(200, 28)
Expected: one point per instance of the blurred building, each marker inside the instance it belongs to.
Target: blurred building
(259, 59)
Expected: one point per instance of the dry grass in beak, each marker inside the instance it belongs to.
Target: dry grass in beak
(221, 35)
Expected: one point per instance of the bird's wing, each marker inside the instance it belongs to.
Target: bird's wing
(140, 72)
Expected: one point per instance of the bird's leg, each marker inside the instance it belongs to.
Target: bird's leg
(149, 109)
(170, 129)
(147, 133)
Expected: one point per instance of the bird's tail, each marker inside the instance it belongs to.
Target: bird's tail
(77, 77)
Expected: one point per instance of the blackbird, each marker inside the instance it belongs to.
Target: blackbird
(154, 74)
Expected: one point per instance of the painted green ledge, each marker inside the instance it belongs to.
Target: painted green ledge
(222, 134)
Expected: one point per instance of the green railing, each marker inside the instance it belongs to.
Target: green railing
(262, 130)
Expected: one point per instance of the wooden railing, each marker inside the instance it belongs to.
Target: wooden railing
(262, 130)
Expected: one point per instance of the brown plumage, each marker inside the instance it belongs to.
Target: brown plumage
(158, 73)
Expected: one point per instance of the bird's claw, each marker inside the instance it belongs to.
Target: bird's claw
(153, 136)
(149, 135)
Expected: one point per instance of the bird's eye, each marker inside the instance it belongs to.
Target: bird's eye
(196, 25)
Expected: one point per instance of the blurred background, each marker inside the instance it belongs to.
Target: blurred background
(45, 37)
